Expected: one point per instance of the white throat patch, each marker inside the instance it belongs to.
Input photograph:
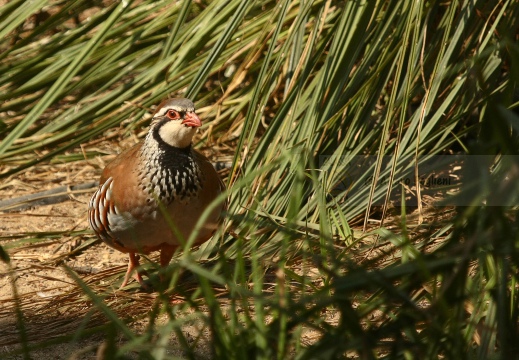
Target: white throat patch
(174, 133)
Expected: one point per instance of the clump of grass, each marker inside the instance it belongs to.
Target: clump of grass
(296, 89)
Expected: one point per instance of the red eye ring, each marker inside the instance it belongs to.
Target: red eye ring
(173, 114)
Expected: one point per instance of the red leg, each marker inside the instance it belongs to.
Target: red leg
(133, 263)
(166, 253)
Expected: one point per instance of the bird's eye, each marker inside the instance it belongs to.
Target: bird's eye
(173, 114)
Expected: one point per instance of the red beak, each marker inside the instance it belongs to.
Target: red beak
(192, 120)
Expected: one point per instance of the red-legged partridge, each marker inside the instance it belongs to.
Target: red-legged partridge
(162, 169)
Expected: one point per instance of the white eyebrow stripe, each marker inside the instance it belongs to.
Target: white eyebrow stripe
(165, 109)
(162, 111)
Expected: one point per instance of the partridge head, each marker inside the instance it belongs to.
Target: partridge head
(151, 196)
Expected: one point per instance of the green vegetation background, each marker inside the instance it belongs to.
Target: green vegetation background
(286, 84)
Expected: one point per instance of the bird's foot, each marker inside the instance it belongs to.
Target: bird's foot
(133, 264)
